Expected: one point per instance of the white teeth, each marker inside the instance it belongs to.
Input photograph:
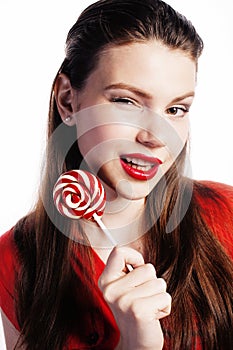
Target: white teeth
(140, 163)
(138, 167)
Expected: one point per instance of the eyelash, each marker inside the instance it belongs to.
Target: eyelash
(184, 109)
(123, 100)
(129, 101)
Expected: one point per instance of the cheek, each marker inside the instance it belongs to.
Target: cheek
(92, 139)
(180, 135)
(182, 130)
(103, 138)
(101, 145)
(88, 142)
(90, 145)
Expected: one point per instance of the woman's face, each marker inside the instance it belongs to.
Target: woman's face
(139, 95)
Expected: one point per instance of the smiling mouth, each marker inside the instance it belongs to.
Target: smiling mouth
(139, 166)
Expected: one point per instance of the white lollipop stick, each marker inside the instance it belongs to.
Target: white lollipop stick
(104, 228)
(108, 234)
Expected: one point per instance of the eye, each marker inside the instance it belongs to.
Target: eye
(126, 102)
(123, 100)
(178, 111)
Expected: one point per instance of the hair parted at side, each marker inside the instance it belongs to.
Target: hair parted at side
(42, 288)
(119, 22)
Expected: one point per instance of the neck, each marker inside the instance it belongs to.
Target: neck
(120, 212)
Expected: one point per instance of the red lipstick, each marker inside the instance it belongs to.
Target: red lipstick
(140, 166)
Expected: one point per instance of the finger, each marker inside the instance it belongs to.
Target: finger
(163, 306)
(149, 289)
(139, 276)
(152, 308)
(115, 267)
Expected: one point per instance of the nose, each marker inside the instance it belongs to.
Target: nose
(147, 139)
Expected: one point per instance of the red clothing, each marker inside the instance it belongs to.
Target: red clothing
(105, 334)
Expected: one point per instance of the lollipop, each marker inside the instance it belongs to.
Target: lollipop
(79, 194)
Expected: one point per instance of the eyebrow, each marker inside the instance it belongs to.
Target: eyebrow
(183, 97)
(129, 88)
(144, 94)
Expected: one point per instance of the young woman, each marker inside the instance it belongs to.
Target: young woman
(119, 108)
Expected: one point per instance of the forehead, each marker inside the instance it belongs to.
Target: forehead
(146, 64)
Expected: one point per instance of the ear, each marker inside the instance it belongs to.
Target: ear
(66, 99)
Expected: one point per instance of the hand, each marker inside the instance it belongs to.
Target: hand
(138, 299)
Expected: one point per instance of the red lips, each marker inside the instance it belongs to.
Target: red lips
(140, 174)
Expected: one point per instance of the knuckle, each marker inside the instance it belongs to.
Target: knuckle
(109, 293)
(169, 298)
(118, 253)
(149, 270)
(166, 297)
(167, 302)
(163, 308)
(117, 250)
(162, 285)
(124, 302)
(101, 283)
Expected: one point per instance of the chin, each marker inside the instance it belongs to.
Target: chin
(133, 191)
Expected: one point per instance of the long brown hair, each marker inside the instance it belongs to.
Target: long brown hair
(188, 257)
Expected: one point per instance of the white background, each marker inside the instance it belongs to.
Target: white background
(32, 48)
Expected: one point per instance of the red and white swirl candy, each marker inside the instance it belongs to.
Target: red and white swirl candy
(79, 194)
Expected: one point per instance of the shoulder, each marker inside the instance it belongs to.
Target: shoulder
(206, 188)
(8, 269)
(8, 253)
(215, 202)
(214, 197)
(12, 244)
